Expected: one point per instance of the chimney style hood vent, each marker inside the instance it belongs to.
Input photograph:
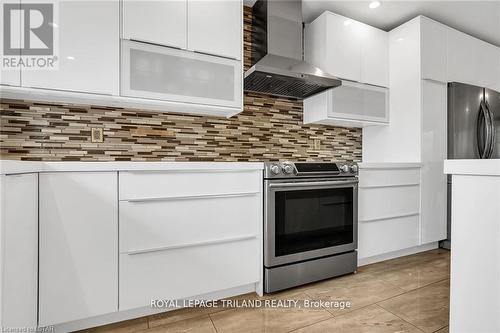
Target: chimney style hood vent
(277, 53)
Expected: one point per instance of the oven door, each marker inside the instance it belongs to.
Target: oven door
(307, 219)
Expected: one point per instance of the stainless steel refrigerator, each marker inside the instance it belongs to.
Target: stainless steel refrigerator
(473, 128)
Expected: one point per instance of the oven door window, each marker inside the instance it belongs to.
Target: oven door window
(308, 220)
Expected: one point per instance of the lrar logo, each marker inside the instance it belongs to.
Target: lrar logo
(29, 36)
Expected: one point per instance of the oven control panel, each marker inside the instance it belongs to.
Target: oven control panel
(288, 169)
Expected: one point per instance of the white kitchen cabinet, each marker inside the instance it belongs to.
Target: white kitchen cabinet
(434, 152)
(389, 209)
(136, 186)
(157, 22)
(156, 72)
(490, 69)
(87, 49)
(158, 213)
(332, 43)
(418, 113)
(348, 49)
(204, 26)
(472, 61)
(78, 276)
(463, 58)
(11, 76)
(433, 50)
(475, 249)
(215, 27)
(187, 272)
(156, 224)
(19, 250)
(351, 104)
(374, 56)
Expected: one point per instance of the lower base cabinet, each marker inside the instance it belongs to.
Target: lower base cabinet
(186, 272)
(185, 234)
(389, 209)
(78, 274)
(19, 250)
(92, 244)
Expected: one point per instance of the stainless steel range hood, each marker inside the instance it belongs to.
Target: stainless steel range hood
(277, 53)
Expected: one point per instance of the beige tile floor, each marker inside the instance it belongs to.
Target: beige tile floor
(407, 294)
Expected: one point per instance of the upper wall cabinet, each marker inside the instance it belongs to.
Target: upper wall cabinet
(181, 56)
(348, 49)
(157, 22)
(351, 105)
(329, 44)
(204, 26)
(374, 56)
(11, 77)
(470, 60)
(215, 27)
(186, 53)
(162, 73)
(433, 49)
(87, 33)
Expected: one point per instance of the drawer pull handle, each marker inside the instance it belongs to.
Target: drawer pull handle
(390, 185)
(186, 245)
(194, 197)
(391, 217)
(201, 170)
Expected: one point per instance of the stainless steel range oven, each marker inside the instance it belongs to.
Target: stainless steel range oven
(310, 222)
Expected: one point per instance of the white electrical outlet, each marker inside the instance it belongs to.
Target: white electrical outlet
(97, 134)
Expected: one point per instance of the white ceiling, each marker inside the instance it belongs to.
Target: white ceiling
(480, 19)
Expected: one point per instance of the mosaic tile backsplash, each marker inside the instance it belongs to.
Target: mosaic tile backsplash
(269, 128)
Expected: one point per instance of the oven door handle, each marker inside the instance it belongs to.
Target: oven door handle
(335, 183)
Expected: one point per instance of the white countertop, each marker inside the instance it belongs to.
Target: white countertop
(473, 167)
(16, 167)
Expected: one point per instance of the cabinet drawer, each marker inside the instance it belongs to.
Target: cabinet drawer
(187, 272)
(180, 184)
(384, 236)
(173, 223)
(388, 202)
(388, 177)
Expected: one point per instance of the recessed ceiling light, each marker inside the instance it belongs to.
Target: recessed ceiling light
(70, 58)
(374, 4)
(347, 22)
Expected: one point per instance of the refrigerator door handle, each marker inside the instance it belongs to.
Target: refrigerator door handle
(484, 150)
(492, 131)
